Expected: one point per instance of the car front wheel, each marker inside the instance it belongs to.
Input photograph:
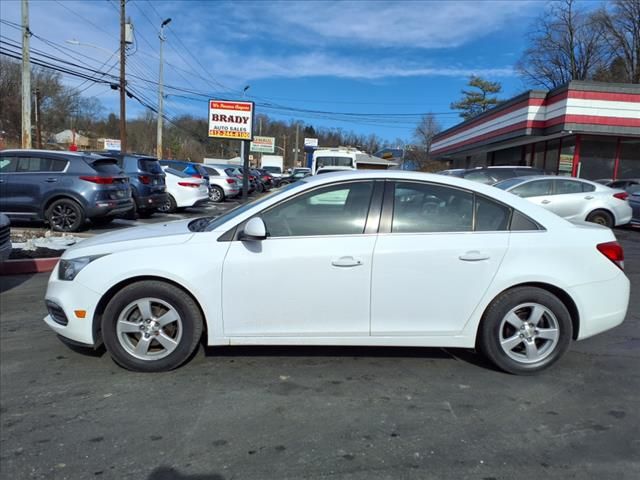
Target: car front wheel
(151, 326)
(525, 330)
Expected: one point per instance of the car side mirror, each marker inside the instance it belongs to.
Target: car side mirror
(254, 230)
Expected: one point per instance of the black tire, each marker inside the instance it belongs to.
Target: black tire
(65, 215)
(601, 217)
(216, 194)
(259, 187)
(185, 332)
(497, 329)
(100, 221)
(170, 205)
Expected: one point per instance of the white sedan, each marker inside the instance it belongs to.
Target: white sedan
(370, 258)
(573, 198)
(183, 191)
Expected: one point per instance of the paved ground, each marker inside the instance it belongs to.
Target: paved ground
(303, 413)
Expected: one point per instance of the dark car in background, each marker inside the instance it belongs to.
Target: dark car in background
(629, 185)
(634, 201)
(491, 175)
(62, 188)
(294, 177)
(147, 181)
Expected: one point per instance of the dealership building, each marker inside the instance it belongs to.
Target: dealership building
(583, 129)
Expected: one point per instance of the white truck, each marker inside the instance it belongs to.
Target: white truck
(222, 161)
(272, 164)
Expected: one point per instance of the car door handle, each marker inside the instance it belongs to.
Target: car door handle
(545, 202)
(346, 262)
(51, 180)
(473, 256)
(589, 197)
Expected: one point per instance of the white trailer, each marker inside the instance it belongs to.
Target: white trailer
(273, 164)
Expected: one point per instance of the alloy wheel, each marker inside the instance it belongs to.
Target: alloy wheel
(63, 216)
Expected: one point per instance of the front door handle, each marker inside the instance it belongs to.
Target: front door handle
(545, 202)
(51, 180)
(589, 197)
(474, 256)
(346, 262)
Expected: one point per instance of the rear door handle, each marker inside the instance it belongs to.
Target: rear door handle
(589, 197)
(474, 256)
(545, 202)
(346, 262)
(51, 180)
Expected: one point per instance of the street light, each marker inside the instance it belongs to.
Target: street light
(160, 98)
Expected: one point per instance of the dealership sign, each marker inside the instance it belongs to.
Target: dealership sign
(229, 119)
(112, 144)
(310, 142)
(263, 144)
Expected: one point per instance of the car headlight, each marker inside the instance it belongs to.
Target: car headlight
(69, 268)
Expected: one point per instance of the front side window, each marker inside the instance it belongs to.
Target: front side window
(33, 164)
(536, 188)
(334, 210)
(422, 207)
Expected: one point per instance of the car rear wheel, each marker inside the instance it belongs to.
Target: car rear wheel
(169, 206)
(525, 330)
(601, 217)
(65, 215)
(151, 326)
(216, 194)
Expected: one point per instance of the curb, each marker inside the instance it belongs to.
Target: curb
(28, 265)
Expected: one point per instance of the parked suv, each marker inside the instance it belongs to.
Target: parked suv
(62, 188)
(491, 175)
(148, 186)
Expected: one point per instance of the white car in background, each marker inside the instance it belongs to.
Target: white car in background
(574, 199)
(183, 191)
(378, 258)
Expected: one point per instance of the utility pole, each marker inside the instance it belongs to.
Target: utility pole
(284, 152)
(245, 161)
(26, 77)
(123, 92)
(160, 96)
(260, 126)
(38, 119)
(297, 144)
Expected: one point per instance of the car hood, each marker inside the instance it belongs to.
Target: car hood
(147, 236)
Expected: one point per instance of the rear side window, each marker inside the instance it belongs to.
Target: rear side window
(212, 171)
(8, 164)
(33, 164)
(425, 208)
(107, 165)
(564, 187)
(491, 216)
(150, 165)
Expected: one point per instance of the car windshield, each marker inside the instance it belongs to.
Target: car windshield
(273, 169)
(150, 165)
(217, 221)
(105, 165)
(507, 184)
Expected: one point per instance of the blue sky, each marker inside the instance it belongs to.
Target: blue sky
(394, 60)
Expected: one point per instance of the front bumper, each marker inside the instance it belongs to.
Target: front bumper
(71, 297)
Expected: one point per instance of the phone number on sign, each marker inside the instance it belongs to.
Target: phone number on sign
(228, 134)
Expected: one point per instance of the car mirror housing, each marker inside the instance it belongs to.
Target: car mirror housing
(254, 230)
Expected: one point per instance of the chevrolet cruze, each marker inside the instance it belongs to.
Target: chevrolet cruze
(368, 258)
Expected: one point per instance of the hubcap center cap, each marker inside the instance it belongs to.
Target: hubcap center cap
(529, 331)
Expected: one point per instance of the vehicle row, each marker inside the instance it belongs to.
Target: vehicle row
(66, 189)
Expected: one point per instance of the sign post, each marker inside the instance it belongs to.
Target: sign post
(233, 120)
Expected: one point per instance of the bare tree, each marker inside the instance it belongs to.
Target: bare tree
(420, 154)
(567, 44)
(621, 27)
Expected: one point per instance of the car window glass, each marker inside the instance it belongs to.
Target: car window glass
(524, 172)
(33, 164)
(564, 187)
(535, 188)
(421, 207)
(106, 165)
(58, 165)
(587, 187)
(211, 171)
(491, 216)
(520, 221)
(478, 177)
(633, 188)
(501, 174)
(8, 164)
(150, 165)
(177, 173)
(334, 210)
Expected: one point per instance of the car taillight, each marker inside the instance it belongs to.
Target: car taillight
(196, 175)
(251, 177)
(98, 180)
(613, 251)
(189, 184)
(231, 181)
(621, 195)
(146, 179)
(264, 177)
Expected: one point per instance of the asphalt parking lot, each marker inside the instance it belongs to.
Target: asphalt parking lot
(307, 413)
